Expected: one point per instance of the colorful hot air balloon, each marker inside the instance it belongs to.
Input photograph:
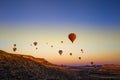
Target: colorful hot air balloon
(60, 52)
(70, 54)
(35, 43)
(14, 49)
(72, 37)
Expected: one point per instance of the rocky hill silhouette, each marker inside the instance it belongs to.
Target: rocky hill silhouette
(24, 67)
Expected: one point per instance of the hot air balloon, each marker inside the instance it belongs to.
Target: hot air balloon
(14, 45)
(35, 43)
(51, 45)
(72, 37)
(61, 41)
(91, 63)
(79, 58)
(70, 54)
(14, 49)
(82, 50)
(60, 52)
(36, 48)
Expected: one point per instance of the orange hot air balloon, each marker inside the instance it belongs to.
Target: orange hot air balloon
(14, 49)
(79, 58)
(35, 43)
(60, 52)
(70, 54)
(72, 37)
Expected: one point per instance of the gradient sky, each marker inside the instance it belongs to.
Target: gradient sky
(95, 22)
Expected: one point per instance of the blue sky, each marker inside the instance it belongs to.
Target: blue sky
(105, 12)
(95, 22)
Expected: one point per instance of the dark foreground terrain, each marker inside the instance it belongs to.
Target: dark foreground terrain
(24, 67)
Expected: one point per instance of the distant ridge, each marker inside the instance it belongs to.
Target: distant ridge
(24, 67)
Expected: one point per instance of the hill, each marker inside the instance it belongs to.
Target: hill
(24, 67)
(111, 68)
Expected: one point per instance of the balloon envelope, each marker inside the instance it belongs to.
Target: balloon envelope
(61, 41)
(14, 45)
(91, 62)
(14, 49)
(60, 52)
(79, 58)
(72, 37)
(51, 45)
(82, 50)
(70, 54)
(35, 43)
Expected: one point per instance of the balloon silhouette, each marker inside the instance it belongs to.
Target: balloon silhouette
(79, 58)
(60, 52)
(14, 49)
(51, 45)
(36, 48)
(14, 45)
(72, 37)
(61, 41)
(70, 54)
(35, 43)
(91, 63)
(82, 50)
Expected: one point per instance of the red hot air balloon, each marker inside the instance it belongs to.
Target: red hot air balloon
(60, 52)
(72, 37)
